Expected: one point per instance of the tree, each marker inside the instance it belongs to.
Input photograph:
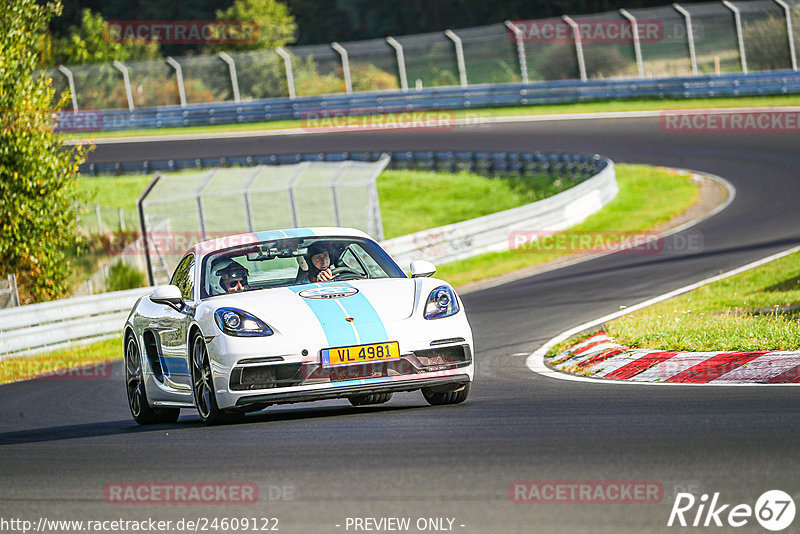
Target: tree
(274, 25)
(37, 173)
(93, 42)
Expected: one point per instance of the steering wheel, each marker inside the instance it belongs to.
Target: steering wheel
(345, 273)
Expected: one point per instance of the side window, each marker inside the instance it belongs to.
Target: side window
(183, 277)
(375, 270)
(351, 262)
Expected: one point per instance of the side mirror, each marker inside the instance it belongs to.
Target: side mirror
(169, 295)
(422, 268)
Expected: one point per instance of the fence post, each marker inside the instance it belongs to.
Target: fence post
(121, 220)
(518, 37)
(201, 217)
(334, 197)
(234, 79)
(99, 219)
(179, 75)
(576, 35)
(462, 68)
(637, 44)
(737, 17)
(401, 61)
(247, 207)
(125, 78)
(287, 63)
(348, 84)
(143, 225)
(790, 30)
(689, 36)
(71, 81)
(292, 198)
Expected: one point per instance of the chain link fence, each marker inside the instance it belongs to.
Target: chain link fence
(724, 37)
(9, 294)
(182, 209)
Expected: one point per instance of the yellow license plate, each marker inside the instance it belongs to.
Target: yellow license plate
(375, 352)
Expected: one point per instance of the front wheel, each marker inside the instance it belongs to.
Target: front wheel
(203, 387)
(435, 398)
(137, 395)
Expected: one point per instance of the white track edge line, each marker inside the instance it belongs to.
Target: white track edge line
(535, 361)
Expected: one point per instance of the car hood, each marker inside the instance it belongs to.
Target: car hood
(293, 309)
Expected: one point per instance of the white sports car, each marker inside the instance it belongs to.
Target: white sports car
(291, 316)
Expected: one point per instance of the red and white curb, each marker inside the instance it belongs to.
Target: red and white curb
(536, 360)
(600, 357)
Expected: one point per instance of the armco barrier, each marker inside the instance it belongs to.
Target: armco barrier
(52, 324)
(38, 327)
(491, 232)
(485, 163)
(445, 98)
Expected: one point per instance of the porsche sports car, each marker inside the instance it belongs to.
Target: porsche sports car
(291, 316)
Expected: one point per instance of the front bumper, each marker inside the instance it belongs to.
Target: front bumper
(369, 385)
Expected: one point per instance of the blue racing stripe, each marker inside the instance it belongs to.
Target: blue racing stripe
(283, 234)
(299, 232)
(367, 321)
(337, 330)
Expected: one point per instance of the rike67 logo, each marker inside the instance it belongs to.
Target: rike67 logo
(774, 510)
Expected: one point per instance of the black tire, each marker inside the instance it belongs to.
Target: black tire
(203, 387)
(141, 410)
(371, 398)
(450, 397)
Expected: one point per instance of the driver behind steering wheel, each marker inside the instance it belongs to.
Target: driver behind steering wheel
(319, 269)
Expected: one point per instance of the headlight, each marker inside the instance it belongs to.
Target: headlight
(442, 302)
(240, 323)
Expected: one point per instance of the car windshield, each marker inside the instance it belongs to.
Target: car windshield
(288, 262)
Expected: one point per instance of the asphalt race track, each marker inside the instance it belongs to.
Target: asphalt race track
(62, 441)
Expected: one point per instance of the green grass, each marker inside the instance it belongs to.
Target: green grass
(755, 310)
(648, 196)
(63, 362)
(113, 191)
(546, 109)
(412, 200)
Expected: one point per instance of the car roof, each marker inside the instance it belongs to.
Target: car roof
(220, 243)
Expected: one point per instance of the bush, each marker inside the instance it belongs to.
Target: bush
(560, 62)
(767, 44)
(38, 175)
(122, 276)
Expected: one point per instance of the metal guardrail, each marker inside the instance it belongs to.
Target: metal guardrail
(491, 232)
(34, 328)
(52, 324)
(484, 163)
(445, 98)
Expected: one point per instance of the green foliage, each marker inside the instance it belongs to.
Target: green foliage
(559, 62)
(274, 24)
(95, 42)
(122, 276)
(767, 43)
(37, 174)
